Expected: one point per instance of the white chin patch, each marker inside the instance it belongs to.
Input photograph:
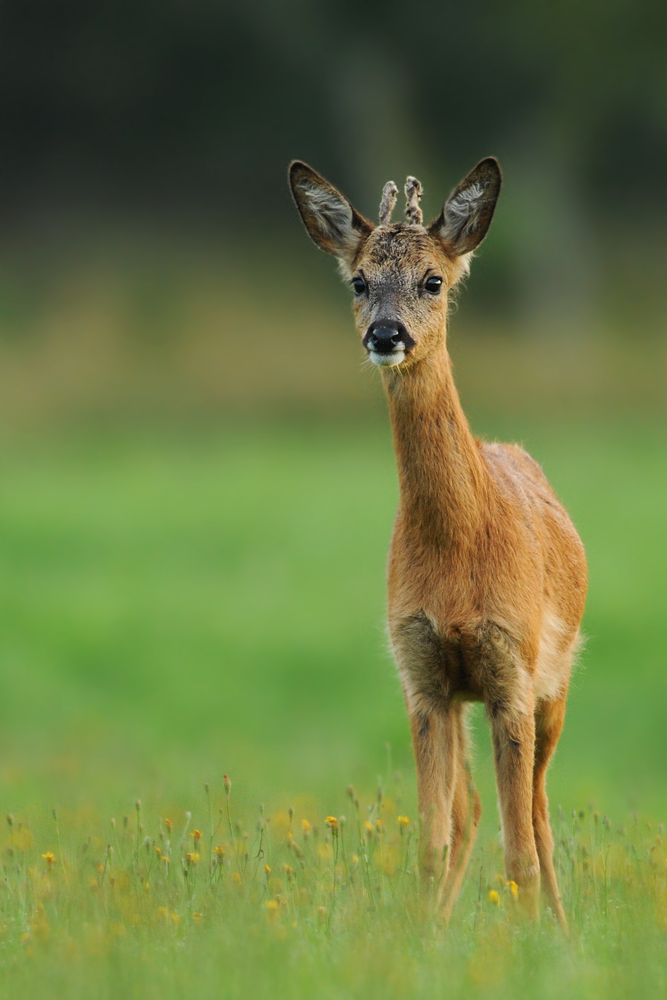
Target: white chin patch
(387, 360)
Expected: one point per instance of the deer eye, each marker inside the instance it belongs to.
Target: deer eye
(359, 286)
(433, 285)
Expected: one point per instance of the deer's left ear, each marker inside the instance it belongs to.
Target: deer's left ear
(332, 222)
(466, 217)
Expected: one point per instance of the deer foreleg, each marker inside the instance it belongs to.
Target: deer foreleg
(435, 739)
(514, 752)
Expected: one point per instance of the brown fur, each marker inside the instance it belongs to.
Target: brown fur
(487, 575)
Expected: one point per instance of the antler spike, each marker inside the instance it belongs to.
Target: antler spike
(413, 192)
(387, 202)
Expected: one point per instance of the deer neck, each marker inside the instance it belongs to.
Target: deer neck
(443, 480)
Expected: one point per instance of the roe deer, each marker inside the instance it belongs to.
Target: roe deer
(487, 575)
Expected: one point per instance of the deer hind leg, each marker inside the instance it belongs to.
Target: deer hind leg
(548, 725)
(513, 733)
(435, 738)
(466, 813)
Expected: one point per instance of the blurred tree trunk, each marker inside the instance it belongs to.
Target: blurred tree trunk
(551, 234)
(375, 132)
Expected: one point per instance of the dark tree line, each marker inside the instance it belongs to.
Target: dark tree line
(196, 106)
(204, 101)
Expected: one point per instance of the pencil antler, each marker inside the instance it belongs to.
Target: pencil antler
(413, 193)
(387, 202)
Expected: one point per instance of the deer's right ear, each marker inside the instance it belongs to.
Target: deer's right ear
(332, 222)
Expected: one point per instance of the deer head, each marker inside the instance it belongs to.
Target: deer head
(400, 273)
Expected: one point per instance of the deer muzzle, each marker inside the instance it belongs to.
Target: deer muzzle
(387, 342)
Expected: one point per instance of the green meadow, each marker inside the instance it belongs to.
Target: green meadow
(180, 603)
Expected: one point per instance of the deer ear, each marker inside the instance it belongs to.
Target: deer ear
(466, 217)
(332, 222)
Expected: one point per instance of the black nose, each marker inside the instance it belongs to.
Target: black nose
(384, 336)
(383, 340)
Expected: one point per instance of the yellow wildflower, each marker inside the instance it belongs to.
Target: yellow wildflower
(197, 835)
(403, 821)
(368, 827)
(306, 827)
(493, 897)
(219, 850)
(49, 857)
(267, 869)
(332, 822)
(168, 824)
(513, 887)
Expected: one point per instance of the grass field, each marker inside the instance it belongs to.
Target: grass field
(180, 604)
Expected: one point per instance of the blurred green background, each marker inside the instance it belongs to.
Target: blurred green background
(197, 481)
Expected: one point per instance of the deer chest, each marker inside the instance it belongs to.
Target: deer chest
(467, 664)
